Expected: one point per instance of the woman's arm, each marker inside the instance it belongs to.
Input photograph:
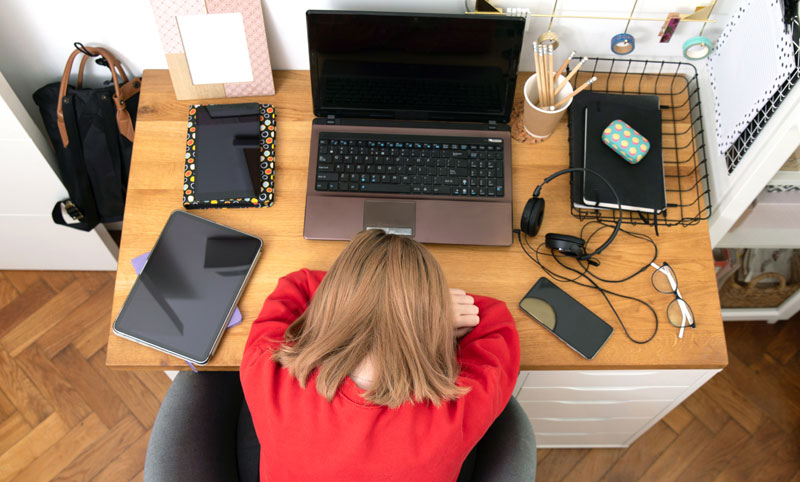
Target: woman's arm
(284, 305)
(489, 356)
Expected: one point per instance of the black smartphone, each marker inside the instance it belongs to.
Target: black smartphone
(570, 321)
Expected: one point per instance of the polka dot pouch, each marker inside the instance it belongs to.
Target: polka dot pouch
(626, 141)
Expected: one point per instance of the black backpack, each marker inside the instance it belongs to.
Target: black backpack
(92, 133)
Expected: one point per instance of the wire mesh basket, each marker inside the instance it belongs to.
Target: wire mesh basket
(683, 142)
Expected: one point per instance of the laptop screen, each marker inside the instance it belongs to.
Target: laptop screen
(413, 66)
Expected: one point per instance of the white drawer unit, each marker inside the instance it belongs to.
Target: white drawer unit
(601, 408)
(612, 378)
(587, 425)
(542, 394)
(572, 410)
(572, 440)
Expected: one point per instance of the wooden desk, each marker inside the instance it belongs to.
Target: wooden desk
(154, 191)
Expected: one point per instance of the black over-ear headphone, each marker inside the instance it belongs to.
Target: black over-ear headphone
(572, 246)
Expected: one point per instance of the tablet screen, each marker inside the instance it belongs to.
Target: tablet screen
(226, 136)
(186, 291)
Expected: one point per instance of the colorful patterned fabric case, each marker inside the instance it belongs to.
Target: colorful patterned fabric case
(626, 141)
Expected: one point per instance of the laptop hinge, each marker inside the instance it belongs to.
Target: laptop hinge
(331, 119)
(492, 125)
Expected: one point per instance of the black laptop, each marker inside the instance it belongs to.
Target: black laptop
(411, 135)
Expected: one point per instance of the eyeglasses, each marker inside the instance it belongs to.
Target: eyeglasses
(679, 314)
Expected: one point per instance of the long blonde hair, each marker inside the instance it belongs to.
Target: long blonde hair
(385, 297)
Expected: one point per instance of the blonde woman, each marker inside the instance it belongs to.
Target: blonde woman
(376, 371)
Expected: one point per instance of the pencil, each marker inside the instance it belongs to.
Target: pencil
(550, 74)
(543, 77)
(563, 66)
(546, 78)
(575, 92)
(538, 75)
(571, 74)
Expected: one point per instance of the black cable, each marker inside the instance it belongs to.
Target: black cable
(603, 291)
(588, 276)
(640, 236)
(557, 276)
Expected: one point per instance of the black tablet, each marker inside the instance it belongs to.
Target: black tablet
(188, 290)
(230, 156)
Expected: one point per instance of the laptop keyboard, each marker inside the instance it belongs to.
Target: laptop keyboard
(414, 165)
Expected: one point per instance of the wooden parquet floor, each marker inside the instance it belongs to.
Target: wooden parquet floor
(65, 416)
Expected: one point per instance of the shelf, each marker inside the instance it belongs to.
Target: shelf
(759, 237)
(786, 178)
(772, 222)
(772, 315)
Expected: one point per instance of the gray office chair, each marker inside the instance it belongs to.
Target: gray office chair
(204, 432)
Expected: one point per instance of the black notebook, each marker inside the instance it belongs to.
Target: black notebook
(639, 186)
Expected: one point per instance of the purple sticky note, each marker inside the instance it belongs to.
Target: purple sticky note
(139, 262)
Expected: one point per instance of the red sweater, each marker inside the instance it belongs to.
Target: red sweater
(305, 437)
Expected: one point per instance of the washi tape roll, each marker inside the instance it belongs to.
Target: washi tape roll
(697, 48)
(549, 38)
(622, 43)
(668, 29)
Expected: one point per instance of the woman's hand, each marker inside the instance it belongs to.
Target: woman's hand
(465, 312)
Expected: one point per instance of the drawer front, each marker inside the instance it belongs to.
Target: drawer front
(598, 394)
(557, 440)
(637, 408)
(591, 425)
(612, 378)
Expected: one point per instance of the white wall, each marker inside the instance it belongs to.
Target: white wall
(37, 35)
(285, 21)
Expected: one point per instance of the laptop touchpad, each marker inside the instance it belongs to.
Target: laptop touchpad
(394, 217)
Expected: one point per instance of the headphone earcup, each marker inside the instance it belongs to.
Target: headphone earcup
(532, 215)
(566, 244)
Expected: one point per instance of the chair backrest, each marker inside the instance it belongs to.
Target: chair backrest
(200, 435)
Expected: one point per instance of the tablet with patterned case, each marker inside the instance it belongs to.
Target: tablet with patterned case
(230, 156)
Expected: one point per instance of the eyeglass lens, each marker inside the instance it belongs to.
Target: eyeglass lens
(664, 280)
(676, 311)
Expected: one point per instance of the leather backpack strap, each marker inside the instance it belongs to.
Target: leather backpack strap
(129, 89)
(124, 122)
(121, 94)
(117, 66)
(62, 91)
(122, 73)
(80, 71)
